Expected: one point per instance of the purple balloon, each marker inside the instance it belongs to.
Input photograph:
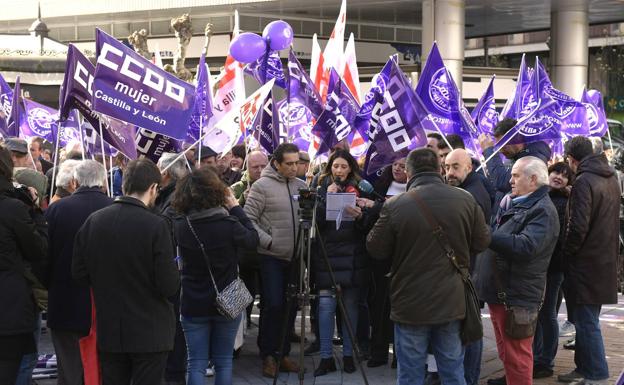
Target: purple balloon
(278, 34)
(247, 47)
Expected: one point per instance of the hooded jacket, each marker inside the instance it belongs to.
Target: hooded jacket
(273, 209)
(591, 246)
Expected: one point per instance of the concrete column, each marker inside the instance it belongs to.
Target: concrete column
(444, 22)
(569, 53)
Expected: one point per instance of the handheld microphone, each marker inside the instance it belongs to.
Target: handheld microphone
(367, 188)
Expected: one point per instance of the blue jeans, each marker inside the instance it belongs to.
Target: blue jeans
(29, 361)
(209, 339)
(275, 275)
(589, 355)
(327, 316)
(546, 340)
(472, 362)
(411, 344)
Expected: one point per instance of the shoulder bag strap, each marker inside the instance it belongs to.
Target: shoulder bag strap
(439, 234)
(203, 250)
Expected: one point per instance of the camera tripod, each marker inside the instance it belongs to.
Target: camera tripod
(298, 288)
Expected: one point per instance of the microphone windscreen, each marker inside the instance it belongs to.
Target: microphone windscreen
(365, 186)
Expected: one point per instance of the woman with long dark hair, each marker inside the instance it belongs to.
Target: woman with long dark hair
(346, 253)
(546, 340)
(211, 215)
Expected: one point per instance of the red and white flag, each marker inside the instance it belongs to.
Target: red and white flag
(317, 67)
(335, 44)
(230, 92)
(350, 73)
(226, 133)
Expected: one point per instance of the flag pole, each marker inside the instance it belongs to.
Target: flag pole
(110, 163)
(498, 149)
(183, 153)
(82, 146)
(54, 167)
(201, 131)
(110, 191)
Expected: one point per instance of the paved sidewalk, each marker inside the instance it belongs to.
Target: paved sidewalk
(247, 368)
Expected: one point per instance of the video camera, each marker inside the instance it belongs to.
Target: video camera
(307, 200)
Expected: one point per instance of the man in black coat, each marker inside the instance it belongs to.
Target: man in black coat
(459, 173)
(590, 250)
(69, 304)
(126, 254)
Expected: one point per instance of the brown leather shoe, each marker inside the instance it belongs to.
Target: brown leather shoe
(269, 367)
(289, 365)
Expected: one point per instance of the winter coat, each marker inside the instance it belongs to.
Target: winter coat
(345, 247)
(591, 247)
(560, 200)
(425, 288)
(523, 240)
(221, 233)
(69, 304)
(239, 188)
(272, 207)
(126, 254)
(23, 241)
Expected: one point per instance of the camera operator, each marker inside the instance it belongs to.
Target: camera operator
(22, 253)
(346, 253)
(272, 208)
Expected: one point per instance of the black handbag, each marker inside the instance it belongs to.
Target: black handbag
(235, 297)
(472, 325)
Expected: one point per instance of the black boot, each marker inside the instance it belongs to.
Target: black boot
(327, 365)
(348, 365)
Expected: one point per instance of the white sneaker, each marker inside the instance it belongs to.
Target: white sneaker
(567, 329)
(210, 371)
(591, 382)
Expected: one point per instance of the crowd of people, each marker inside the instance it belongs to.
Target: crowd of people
(147, 247)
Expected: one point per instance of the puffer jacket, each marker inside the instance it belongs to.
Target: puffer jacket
(591, 247)
(345, 247)
(23, 241)
(425, 288)
(523, 240)
(272, 207)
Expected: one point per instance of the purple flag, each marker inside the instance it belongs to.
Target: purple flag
(202, 109)
(6, 97)
(128, 87)
(435, 89)
(266, 68)
(70, 129)
(396, 128)
(335, 122)
(76, 93)
(40, 121)
(92, 141)
(596, 118)
(523, 95)
(484, 114)
(152, 145)
(265, 126)
(373, 99)
(303, 107)
(16, 115)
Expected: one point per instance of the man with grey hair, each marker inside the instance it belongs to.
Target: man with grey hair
(69, 305)
(172, 169)
(512, 272)
(65, 182)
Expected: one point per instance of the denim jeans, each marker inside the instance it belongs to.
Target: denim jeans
(546, 340)
(327, 317)
(411, 344)
(472, 362)
(275, 275)
(29, 361)
(589, 355)
(209, 339)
